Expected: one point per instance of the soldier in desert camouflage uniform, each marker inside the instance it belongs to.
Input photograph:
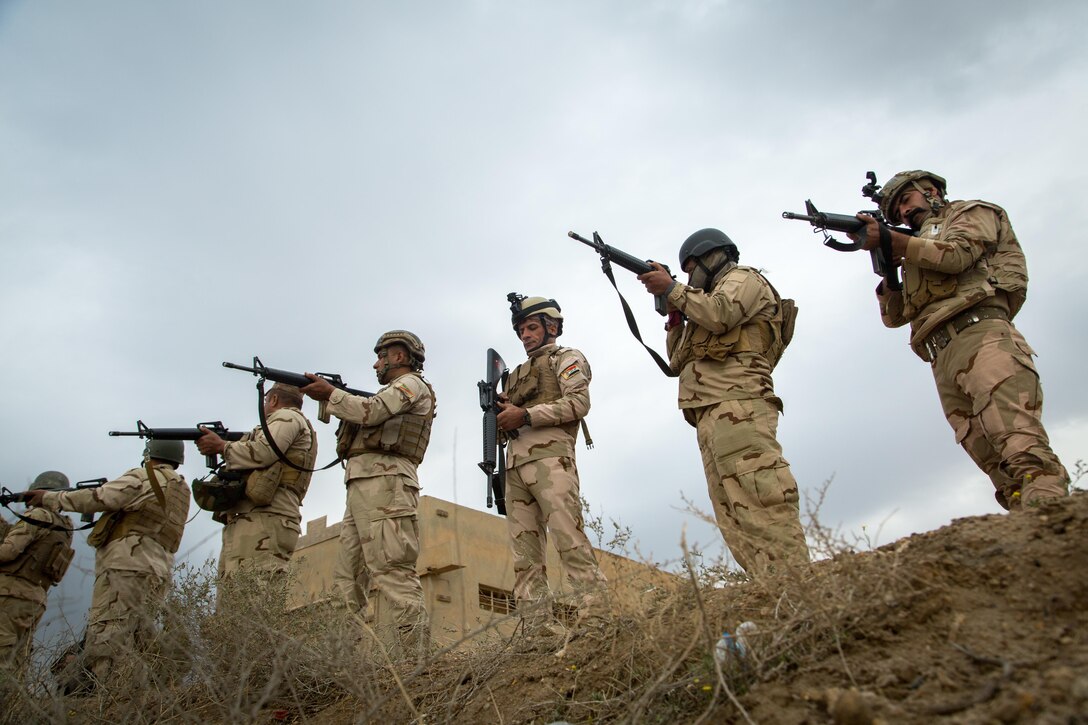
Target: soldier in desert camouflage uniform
(135, 541)
(722, 331)
(545, 400)
(383, 439)
(32, 559)
(262, 529)
(964, 279)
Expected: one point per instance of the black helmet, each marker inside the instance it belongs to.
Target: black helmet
(707, 240)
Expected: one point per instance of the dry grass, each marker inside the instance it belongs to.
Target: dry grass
(249, 660)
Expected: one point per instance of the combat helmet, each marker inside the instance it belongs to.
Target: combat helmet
(50, 481)
(172, 451)
(712, 251)
(214, 493)
(417, 353)
(705, 241)
(522, 307)
(899, 183)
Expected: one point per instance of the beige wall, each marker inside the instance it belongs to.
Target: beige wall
(464, 553)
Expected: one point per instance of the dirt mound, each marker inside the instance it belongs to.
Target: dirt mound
(981, 621)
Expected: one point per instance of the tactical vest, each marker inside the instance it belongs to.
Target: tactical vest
(766, 336)
(404, 435)
(47, 558)
(535, 382)
(164, 525)
(1002, 266)
(261, 484)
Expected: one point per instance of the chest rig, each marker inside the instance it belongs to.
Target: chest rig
(406, 434)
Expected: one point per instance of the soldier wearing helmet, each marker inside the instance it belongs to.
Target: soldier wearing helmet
(727, 328)
(34, 555)
(383, 439)
(545, 401)
(261, 530)
(964, 280)
(135, 541)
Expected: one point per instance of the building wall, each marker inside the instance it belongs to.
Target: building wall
(466, 570)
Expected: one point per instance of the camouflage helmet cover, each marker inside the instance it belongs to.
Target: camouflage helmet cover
(172, 451)
(410, 340)
(899, 183)
(707, 240)
(50, 481)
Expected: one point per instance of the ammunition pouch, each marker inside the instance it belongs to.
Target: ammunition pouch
(100, 534)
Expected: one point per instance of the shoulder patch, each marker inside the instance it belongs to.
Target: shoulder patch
(571, 370)
(405, 391)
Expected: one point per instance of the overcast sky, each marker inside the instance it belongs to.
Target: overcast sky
(188, 183)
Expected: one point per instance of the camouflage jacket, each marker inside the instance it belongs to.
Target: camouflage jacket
(947, 269)
(19, 537)
(554, 430)
(289, 429)
(130, 492)
(407, 394)
(739, 297)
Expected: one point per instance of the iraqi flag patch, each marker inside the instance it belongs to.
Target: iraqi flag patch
(405, 391)
(570, 371)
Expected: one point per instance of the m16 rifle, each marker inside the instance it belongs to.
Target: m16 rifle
(823, 222)
(494, 462)
(296, 379)
(611, 254)
(7, 497)
(184, 434)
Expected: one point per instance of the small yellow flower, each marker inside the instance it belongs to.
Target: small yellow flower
(707, 688)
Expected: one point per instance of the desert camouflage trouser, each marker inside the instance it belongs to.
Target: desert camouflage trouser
(379, 546)
(543, 496)
(121, 618)
(991, 396)
(753, 492)
(259, 540)
(18, 618)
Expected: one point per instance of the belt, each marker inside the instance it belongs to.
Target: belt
(943, 335)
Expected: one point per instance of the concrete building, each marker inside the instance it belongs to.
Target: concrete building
(466, 569)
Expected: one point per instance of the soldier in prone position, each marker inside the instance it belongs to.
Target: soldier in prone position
(262, 528)
(964, 280)
(383, 439)
(135, 543)
(724, 337)
(32, 559)
(545, 401)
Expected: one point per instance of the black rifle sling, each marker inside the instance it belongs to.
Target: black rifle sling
(890, 277)
(42, 524)
(272, 441)
(606, 267)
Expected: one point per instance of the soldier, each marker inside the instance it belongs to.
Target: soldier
(726, 329)
(383, 439)
(545, 400)
(33, 558)
(964, 279)
(262, 529)
(135, 544)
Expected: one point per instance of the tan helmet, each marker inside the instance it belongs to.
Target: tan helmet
(50, 481)
(410, 340)
(899, 183)
(522, 307)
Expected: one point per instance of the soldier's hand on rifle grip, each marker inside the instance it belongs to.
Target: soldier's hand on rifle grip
(658, 281)
(870, 236)
(318, 389)
(210, 443)
(510, 416)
